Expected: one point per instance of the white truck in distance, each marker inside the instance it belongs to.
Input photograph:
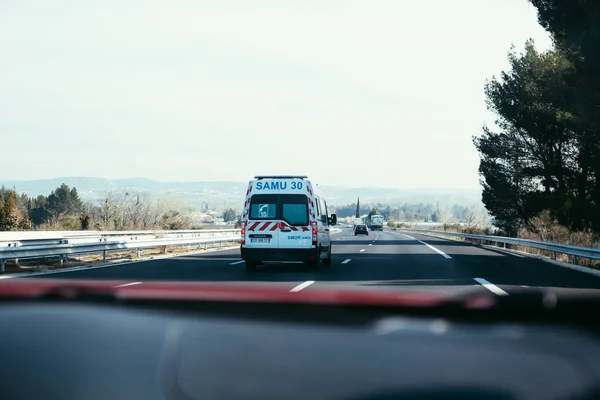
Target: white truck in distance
(357, 221)
(376, 223)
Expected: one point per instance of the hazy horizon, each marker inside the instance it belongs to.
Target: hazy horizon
(66, 178)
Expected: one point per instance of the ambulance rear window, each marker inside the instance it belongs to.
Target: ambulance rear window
(294, 209)
(264, 206)
(291, 208)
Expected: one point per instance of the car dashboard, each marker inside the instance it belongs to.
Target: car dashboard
(79, 350)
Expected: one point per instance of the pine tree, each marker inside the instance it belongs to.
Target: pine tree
(2, 216)
(11, 212)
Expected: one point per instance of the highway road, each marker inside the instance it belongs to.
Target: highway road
(383, 260)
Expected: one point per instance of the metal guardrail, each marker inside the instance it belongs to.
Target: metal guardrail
(577, 251)
(30, 245)
(41, 235)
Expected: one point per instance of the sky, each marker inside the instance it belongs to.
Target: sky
(351, 93)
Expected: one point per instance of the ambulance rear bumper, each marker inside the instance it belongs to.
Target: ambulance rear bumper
(278, 254)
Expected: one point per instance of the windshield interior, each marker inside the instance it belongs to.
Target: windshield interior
(217, 142)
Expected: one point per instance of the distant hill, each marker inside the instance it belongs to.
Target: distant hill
(45, 186)
(219, 195)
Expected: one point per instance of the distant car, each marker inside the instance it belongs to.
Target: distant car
(361, 230)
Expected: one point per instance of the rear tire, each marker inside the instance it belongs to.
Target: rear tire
(251, 266)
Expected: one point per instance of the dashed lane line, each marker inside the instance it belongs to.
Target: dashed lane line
(436, 250)
(491, 287)
(302, 286)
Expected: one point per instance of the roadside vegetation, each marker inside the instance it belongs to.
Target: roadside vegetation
(63, 209)
(539, 164)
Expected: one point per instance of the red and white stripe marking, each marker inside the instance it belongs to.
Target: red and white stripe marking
(273, 226)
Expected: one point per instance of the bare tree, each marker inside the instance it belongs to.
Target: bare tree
(124, 210)
(443, 214)
(472, 217)
(484, 217)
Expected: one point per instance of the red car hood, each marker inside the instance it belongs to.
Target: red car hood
(227, 292)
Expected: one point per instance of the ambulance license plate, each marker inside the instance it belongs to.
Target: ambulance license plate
(260, 240)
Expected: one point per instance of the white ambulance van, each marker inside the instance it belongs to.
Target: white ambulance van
(285, 218)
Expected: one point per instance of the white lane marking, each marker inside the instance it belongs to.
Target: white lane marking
(436, 250)
(362, 249)
(346, 261)
(491, 287)
(408, 236)
(129, 284)
(302, 286)
(237, 262)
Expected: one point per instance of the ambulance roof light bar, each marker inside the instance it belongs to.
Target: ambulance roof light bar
(259, 177)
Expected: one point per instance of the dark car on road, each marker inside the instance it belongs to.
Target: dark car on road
(361, 230)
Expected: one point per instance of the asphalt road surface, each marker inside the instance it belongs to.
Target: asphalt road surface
(382, 260)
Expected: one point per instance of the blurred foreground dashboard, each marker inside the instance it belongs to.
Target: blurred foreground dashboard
(89, 350)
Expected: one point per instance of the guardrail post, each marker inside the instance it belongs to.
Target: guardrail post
(139, 252)
(165, 250)
(571, 244)
(2, 262)
(103, 255)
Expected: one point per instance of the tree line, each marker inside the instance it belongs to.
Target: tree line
(543, 158)
(63, 209)
(21, 212)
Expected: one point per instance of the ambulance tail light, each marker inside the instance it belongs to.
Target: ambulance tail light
(314, 233)
(243, 236)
